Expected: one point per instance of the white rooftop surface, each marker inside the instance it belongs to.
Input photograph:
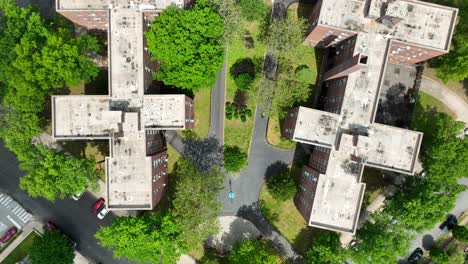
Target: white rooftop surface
(129, 170)
(315, 126)
(338, 195)
(164, 111)
(126, 61)
(424, 24)
(390, 147)
(105, 4)
(79, 116)
(361, 92)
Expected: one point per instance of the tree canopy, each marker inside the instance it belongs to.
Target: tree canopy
(51, 247)
(234, 158)
(151, 238)
(252, 251)
(460, 233)
(326, 249)
(253, 9)
(53, 174)
(195, 204)
(282, 185)
(188, 46)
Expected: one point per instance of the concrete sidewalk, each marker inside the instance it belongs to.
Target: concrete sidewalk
(446, 96)
(31, 226)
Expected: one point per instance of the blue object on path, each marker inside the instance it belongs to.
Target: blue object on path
(232, 195)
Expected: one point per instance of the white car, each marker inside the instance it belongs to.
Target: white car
(103, 213)
(77, 196)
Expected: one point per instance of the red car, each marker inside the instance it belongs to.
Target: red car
(8, 234)
(98, 205)
(50, 226)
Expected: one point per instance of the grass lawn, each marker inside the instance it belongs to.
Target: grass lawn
(202, 103)
(236, 132)
(425, 100)
(274, 135)
(286, 218)
(174, 156)
(20, 252)
(455, 86)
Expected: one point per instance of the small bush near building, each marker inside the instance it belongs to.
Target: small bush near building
(460, 233)
(282, 186)
(234, 158)
(439, 256)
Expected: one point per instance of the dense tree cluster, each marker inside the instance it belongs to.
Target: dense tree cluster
(51, 247)
(326, 248)
(151, 238)
(454, 65)
(38, 56)
(252, 251)
(188, 46)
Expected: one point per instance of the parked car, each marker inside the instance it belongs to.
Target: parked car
(100, 203)
(8, 234)
(450, 222)
(77, 196)
(415, 256)
(50, 226)
(103, 213)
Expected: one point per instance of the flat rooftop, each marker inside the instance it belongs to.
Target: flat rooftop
(164, 110)
(339, 194)
(126, 55)
(316, 127)
(106, 4)
(82, 116)
(422, 23)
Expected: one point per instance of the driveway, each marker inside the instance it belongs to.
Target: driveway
(73, 217)
(218, 96)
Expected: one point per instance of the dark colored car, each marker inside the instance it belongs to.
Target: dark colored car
(415, 256)
(449, 223)
(98, 205)
(8, 234)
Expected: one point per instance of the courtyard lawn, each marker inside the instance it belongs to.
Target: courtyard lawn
(374, 185)
(274, 135)
(20, 252)
(286, 218)
(425, 100)
(202, 103)
(236, 132)
(97, 149)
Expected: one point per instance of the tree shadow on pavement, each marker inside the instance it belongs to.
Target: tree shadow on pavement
(427, 242)
(275, 169)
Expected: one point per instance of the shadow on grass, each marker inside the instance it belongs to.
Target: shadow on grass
(100, 85)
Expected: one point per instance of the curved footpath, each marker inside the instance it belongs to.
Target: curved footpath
(446, 96)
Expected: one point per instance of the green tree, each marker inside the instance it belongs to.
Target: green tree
(439, 256)
(188, 46)
(460, 233)
(231, 13)
(252, 251)
(151, 238)
(51, 247)
(195, 206)
(243, 81)
(234, 158)
(381, 241)
(282, 186)
(454, 65)
(253, 9)
(53, 175)
(42, 56)
(326, 249)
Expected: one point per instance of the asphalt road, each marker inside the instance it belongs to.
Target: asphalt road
(218, 95)
(72, 217)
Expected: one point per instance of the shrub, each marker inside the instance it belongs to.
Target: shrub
(460, 233)
(304, 74)
(252, 252)
(439, 256)
(234, 158)
(243, 81)
(282, 186)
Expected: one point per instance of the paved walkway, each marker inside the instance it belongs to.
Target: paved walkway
(218, 99)
(449, 98)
